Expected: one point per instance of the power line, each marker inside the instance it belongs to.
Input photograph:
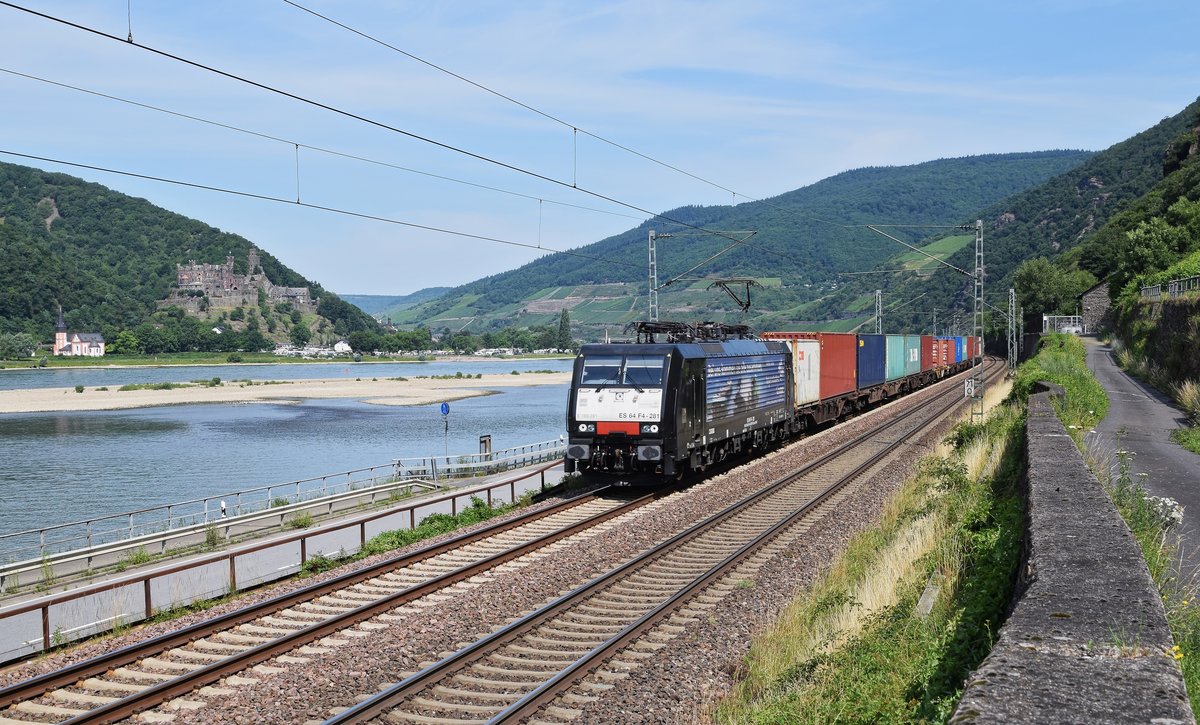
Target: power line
(574, 128)
(317, 207)
(356, 117)
(289, 142)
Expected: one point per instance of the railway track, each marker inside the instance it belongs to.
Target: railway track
(116, 685)
(533, 669)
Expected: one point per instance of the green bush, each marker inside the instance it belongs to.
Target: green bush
(78, 388)
(1062, 360)
(432, 525)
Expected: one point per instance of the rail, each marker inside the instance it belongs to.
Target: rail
(1174, 288)
(30, 627)
(47, 541)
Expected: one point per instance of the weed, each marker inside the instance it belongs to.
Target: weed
(212, 537)
(399, 494)
(78, 388)
(318, 563)
(280, 501)
(299, 521)
(137, 557)
(119, 626)
(47, 569)
(58, 639)
(1189, 438)
(1187, 394)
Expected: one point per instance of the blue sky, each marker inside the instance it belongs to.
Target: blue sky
(758, 96)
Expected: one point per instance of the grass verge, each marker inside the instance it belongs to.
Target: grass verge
(429, 527)
(857, 647)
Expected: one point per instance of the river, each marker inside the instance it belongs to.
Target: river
(63, 467)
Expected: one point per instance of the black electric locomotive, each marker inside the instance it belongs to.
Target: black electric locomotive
(655, 410)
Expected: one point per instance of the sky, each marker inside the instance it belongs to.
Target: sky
(754, 97)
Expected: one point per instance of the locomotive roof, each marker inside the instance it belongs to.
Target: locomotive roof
(685, 349)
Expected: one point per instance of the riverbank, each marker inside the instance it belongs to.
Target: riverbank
(387, 391)
(222, 359)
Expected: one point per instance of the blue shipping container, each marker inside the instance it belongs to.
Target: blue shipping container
(872, 360)
(960, 349)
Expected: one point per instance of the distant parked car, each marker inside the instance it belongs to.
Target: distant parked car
(1073, 330)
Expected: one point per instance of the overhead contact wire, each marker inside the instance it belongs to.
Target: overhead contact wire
(574, 129)
(320, 149)
(357, 117)
(318, 207)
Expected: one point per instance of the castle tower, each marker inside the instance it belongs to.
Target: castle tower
(60, 332)
(252, 261)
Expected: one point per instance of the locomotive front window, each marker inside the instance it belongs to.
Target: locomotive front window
(644, 370)
(601, 370)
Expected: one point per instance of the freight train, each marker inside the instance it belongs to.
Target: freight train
(649, 411)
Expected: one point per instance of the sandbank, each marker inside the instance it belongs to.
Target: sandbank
(420, 391)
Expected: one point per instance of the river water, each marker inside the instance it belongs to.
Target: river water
(62, 467)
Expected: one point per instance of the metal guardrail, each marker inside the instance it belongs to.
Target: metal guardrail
(1174, 288)
(103, 530)
(38, 625)
(436, 468)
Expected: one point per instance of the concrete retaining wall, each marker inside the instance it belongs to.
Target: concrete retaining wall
(1087, 639)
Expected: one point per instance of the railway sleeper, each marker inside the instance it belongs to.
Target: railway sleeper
(34, 708)
(437, 705)
(484, 682)
(504, 698)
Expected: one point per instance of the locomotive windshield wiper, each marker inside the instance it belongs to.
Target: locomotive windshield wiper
(623, 374)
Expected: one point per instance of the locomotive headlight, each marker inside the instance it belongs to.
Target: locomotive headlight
(583, 427)
(650, 428)
(587, 427)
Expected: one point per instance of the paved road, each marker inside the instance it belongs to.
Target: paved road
(1147, 418)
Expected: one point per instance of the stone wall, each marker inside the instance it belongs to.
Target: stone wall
(1087, 639)
(1097, 308)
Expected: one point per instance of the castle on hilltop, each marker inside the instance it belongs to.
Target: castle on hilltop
(202, 287)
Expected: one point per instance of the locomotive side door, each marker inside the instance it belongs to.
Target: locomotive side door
(691, 403)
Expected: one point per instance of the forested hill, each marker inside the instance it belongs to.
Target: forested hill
(107, 257)
(805, 237)
(1064, 217)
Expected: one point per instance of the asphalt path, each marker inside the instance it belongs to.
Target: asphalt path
(1143, 418)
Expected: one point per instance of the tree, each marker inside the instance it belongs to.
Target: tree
(126, 343)
(300, 335)
(18, 345)
(564, 331)
(253, 341)
(363, 341)
(1044, 288)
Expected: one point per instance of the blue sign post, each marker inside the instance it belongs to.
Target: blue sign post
(446, 421)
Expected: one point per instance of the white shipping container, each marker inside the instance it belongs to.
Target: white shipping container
(806, 368)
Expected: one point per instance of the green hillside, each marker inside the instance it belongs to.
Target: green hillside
(107, 258)
(1080, 218)
(804, 239)
(384, 306)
